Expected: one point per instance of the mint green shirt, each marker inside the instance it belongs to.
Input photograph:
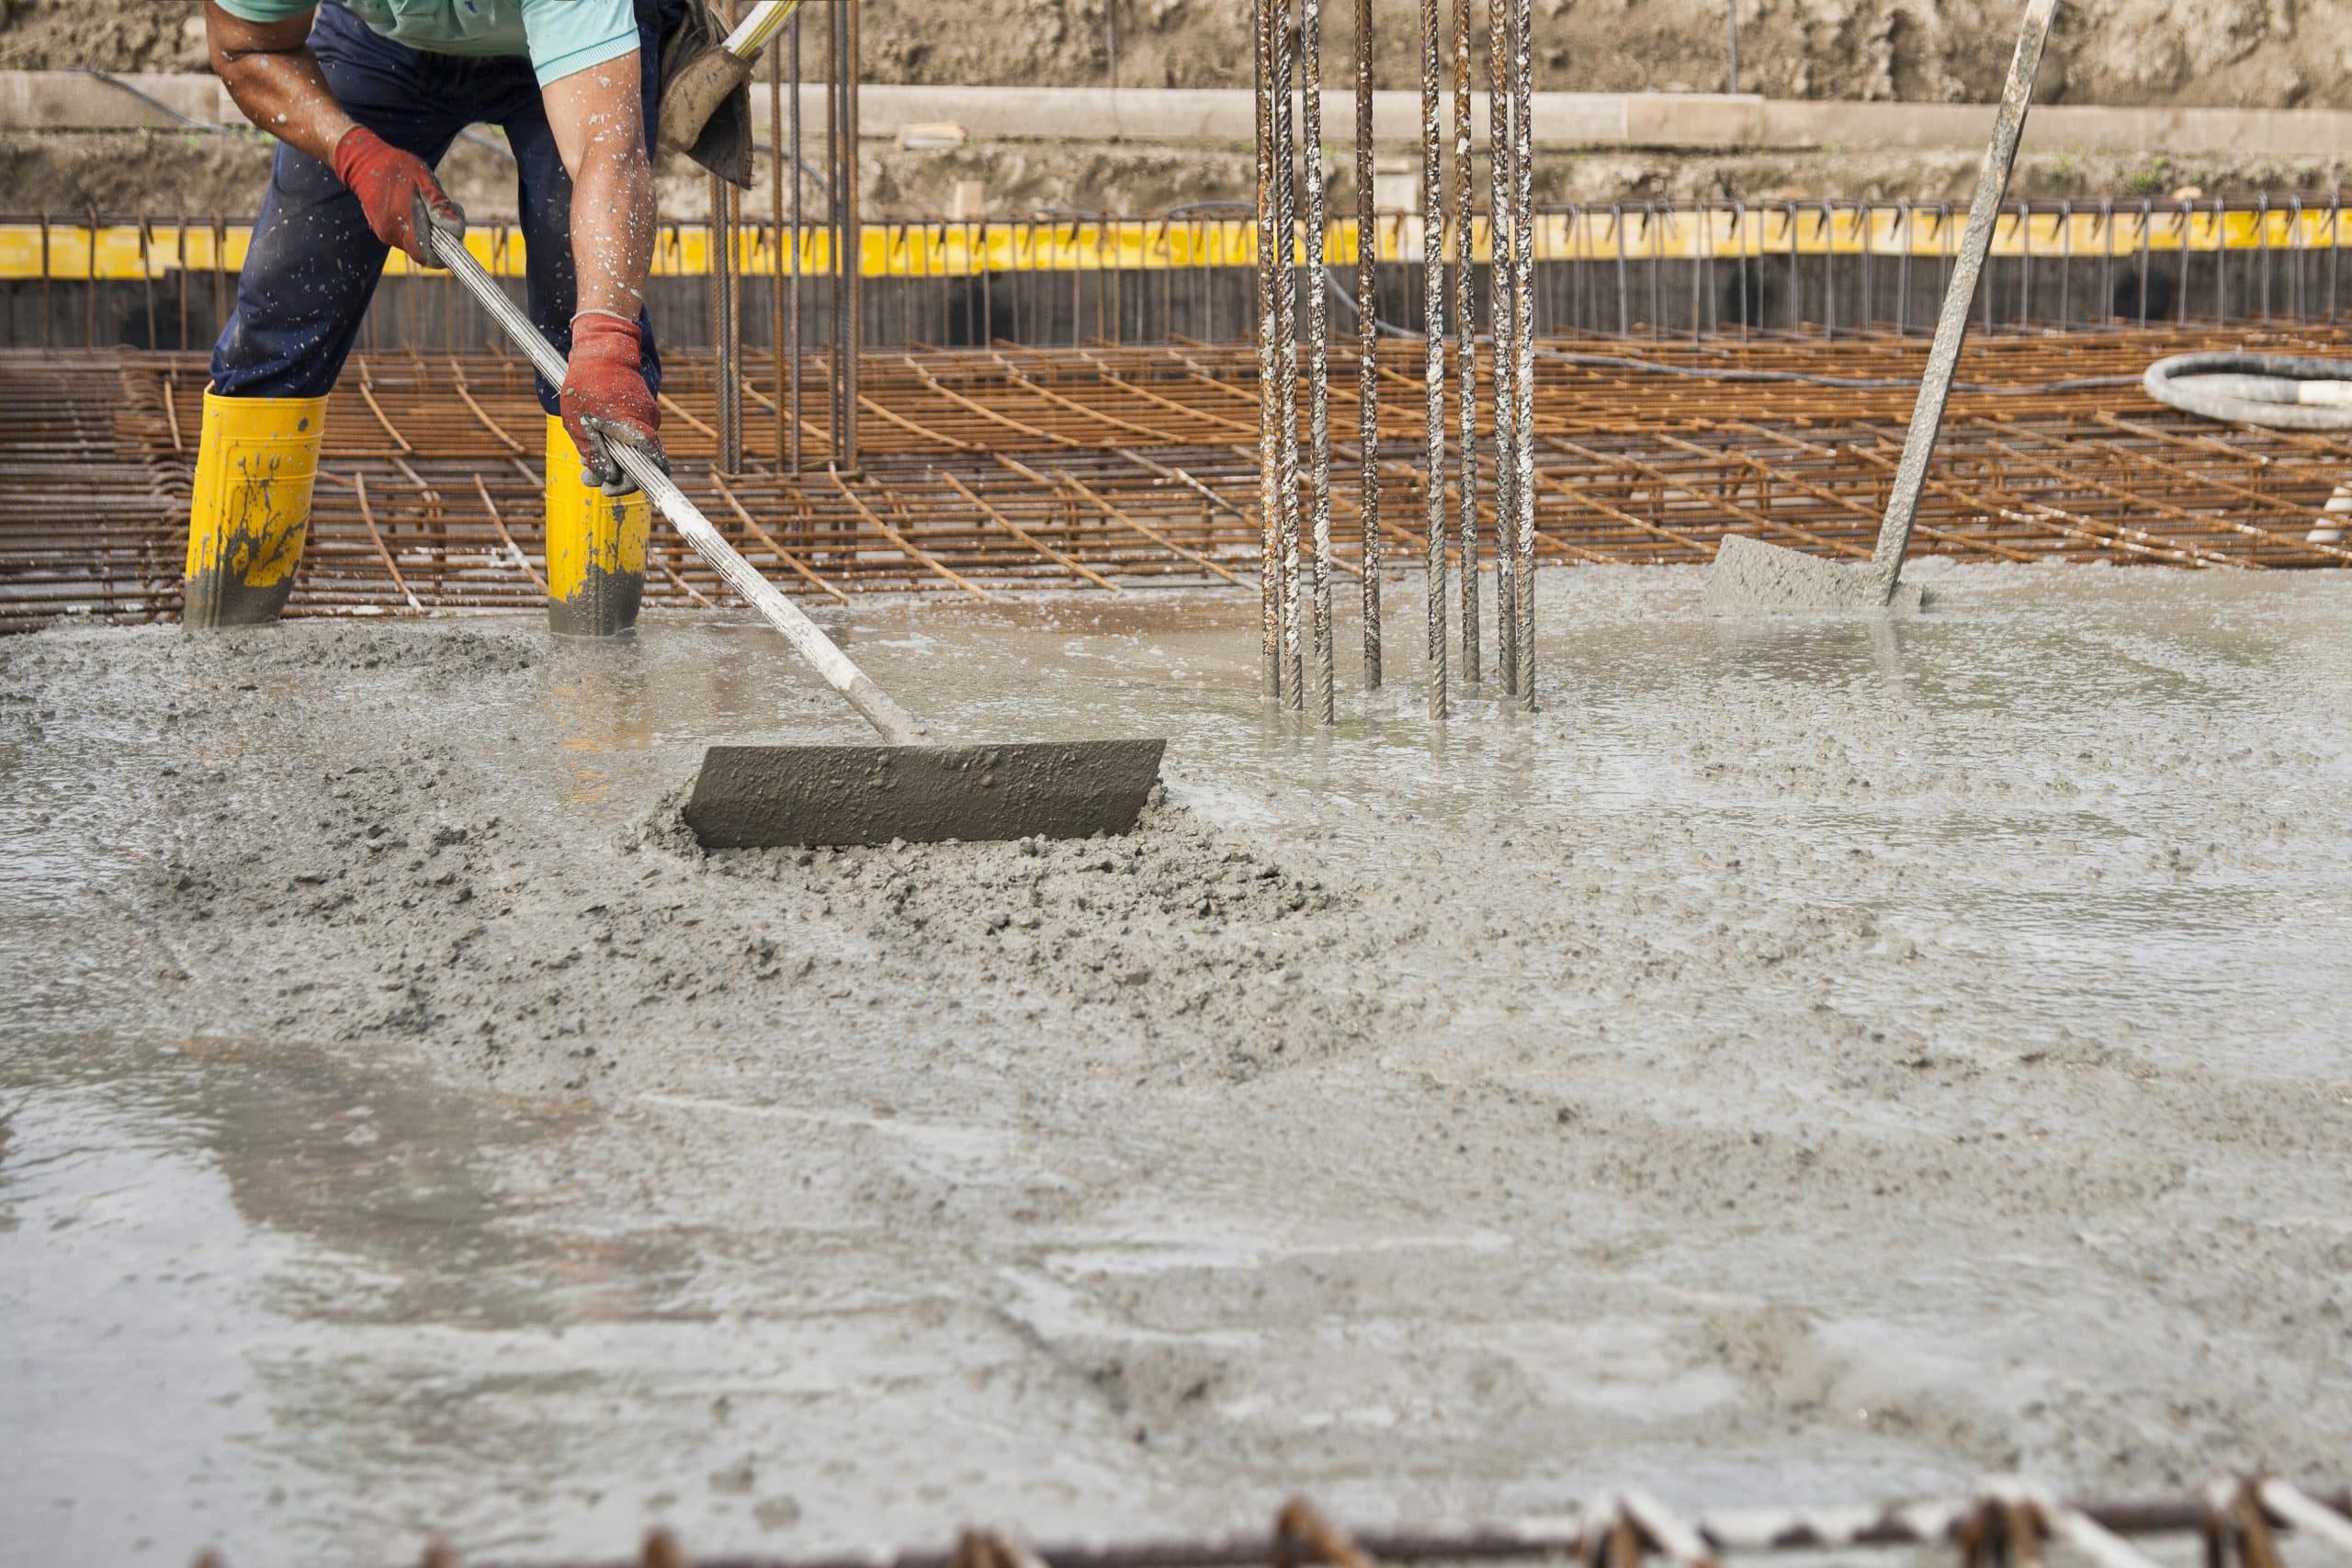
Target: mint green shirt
(559, 36)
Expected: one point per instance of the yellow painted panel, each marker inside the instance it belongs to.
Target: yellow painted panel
(968, 249)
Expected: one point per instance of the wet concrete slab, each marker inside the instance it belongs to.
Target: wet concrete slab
(1809, 1060)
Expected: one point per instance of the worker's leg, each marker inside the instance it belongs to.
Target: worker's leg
(308, 277)
(595, 542)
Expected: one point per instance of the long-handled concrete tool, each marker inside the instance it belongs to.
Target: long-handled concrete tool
(1752, 575)
(852, 795)
(693, 95)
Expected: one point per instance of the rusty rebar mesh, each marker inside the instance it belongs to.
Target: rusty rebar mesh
(2235, 1522)
(1054, 468)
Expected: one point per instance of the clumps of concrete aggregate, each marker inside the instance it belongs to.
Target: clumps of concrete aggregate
(547, 954)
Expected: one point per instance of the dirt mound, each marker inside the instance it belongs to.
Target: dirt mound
(112, 35)
(2233, 52)
(165, 172)
(2236, 52)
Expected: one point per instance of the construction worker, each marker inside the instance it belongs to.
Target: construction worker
(364, 97)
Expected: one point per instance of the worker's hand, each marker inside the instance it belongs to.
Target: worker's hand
(606, 401)
(395, 190)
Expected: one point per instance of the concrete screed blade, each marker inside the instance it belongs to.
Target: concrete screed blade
(1750, 575)
(748, 796)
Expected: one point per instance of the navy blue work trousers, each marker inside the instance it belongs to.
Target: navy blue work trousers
(313, 262)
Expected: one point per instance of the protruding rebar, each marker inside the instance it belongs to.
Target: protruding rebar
(852, 271)
(1270, 570)
(834, 230)
(784, 237)
(1368, 347)
(726, 328)
(1319, 341)
(1286, 348)
(1523, 309)
(1502, 233)
(1434, 349)
(792, 302)
(1465, 315)
(726, 226)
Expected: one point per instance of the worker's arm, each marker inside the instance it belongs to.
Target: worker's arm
(599, 129)
(270, 72)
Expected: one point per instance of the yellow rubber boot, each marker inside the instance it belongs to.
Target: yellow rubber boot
(256, 463)
(595, 547)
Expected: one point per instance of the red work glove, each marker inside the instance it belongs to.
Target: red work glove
(606, 400)
(393, 186)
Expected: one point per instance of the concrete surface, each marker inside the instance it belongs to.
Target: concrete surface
(1810, 1061)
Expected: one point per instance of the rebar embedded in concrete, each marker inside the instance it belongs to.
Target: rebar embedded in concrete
(1433, 352)
(1465, 317)
(1367, 350)
(1318, 347)
(1523, 310)
(1268, 439)
(1286, 350)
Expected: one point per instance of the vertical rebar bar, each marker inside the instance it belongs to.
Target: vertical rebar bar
(1269, 439)
(1524, 382)
(726, 213)
(1502, 238)
(836, 280)
(728, 360)
(1367, 348)
(852, 233)
(791, 310)
(1434, 350)
(776, 276)
(1286, 348)
(1465, 316)
(1318, 336)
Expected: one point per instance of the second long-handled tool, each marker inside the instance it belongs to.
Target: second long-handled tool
(1752, 575)
(904, 788)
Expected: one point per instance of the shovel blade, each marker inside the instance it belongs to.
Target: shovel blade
(1750, 575)
(751, 796)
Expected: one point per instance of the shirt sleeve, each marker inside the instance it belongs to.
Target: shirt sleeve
(267, 10)
(567, 36)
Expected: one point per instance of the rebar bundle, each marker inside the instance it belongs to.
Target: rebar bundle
(1451, 506)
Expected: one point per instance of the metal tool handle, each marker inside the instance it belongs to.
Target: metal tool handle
(1951, 327)
(893, 723)
(751, 34)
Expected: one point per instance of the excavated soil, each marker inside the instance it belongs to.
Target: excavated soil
(168, 172)
(2268, 52)
(1809, 1061)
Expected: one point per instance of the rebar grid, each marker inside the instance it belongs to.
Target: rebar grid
(2007, 1523)
(1092, 468)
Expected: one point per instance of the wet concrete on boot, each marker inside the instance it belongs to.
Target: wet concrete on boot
(1811, 1060)
(604, 604)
